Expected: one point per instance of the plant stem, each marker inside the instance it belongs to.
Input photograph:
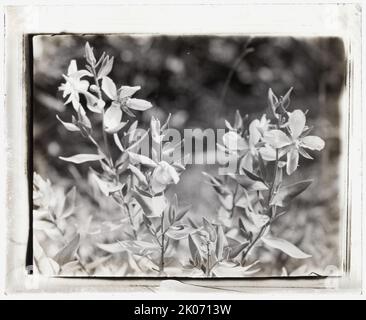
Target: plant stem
(273, 212)
(234, 196)
(105, 138)
(108, 152)
(162, 262)
(252, 244)
(129, 217)
(208, 270)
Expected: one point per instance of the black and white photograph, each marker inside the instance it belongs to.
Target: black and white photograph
(186, 156)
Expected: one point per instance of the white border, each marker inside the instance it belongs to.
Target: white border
(304, 20)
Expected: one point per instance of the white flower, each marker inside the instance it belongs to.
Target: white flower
(163, 175)
(295, 143)
(74, 85)
(155, 130)
(113, 118)
(123, 95)
(248, 149)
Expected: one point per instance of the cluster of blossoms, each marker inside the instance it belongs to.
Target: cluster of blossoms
(289, 136)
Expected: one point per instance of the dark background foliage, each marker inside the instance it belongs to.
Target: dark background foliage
(202, 80)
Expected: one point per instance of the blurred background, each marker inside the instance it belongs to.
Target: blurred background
(202, 80)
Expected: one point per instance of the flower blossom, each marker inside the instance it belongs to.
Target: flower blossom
(294, 144)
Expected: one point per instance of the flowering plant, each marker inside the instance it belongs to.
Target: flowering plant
(253, 193)
(137, 225)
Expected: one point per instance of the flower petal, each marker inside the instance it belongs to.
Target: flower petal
(155, 130)
(138, 104)
(296, 123)
(72, 67)
(254, 133)
(233, 141)
(112, 118)
(82, 85)
(292, 161)
(156, 186)
(277, 139)
(93, 103)
(163, 175)
(268, 153)
(313, 143)
(109, 88)
(173, 174)
(79, 74)
(126, 91)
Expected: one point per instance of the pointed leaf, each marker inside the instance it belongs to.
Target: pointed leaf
(179, 231)
(193, 248)
(284, 196)
(253, 176)
(221, 242)
(81, 158)
(138, 158)
(234, 252)
(286, 247)
(67, 253)
(68, 126)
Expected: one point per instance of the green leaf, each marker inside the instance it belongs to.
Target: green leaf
(284, 196)
(285, 100)
(106, 187)
(69, 204)
(238, 124)
(138, 158)
(253, 176)
(89, 55)
(70, 267)
(262, 167)
(106, 67)
(286, 247)
(221, 242)
(138, 174)
(182, 212)
(68, 125)
(272, 105)
(136, 247)
(195, 252)
(234, 252)
(81, 158)
(173, 209)
(179, 231)
(272, 99)
(67, 253)
(142, 202)
(210, 229)
(44, 264)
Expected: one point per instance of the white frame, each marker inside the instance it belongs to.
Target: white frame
(254, 19)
